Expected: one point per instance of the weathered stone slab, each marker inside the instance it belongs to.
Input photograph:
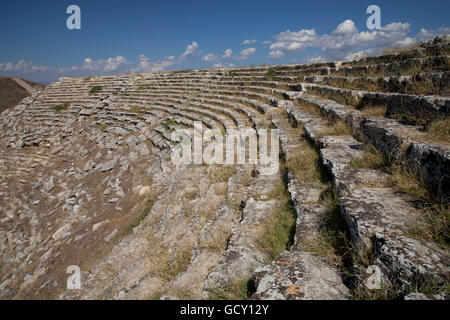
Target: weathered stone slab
(299, 276)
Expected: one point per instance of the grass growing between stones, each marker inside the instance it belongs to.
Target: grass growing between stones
(305, 166)
(60, 107)
(372, 159)
(190, 195)
(155, 296)
(435, 212)
(337, 128)
(308, 108)
(232, 73)
(182, 71)
(438, 131)
(139, 109)
(175, 263)
(278, 232)
(95, 89)
(167, 123)
(144, 86)
(425, 285)
(135, 223)
(149, 200)
(271, 72)
(234, 290)
(333, 234)
(222, 173)
(375, 111)
(398, 50)
(437, 227)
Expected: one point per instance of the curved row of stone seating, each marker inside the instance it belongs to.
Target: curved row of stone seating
(234, 115)
(393, 137)
(77, 90)
(377, 217)
(430, 48)
(423, 83)
(232, 93)
(422, 108)
(226, 117)
(290, 73)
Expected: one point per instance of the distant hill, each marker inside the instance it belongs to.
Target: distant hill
(13, 90)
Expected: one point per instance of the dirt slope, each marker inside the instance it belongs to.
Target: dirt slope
(13, 90)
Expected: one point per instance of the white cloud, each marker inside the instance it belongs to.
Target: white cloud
(145, 65)
(247, 52)
(355, 55)
(106, 65)
(209, 57)
(227, 54)
(248, 41)
(275, 54)
(346, 27)
(425, 34)
(266, 42)
(316, 59)
(191, 52)
(346, 40)
(294, 41)
(67, 69)
(22, 66)
(244, 54)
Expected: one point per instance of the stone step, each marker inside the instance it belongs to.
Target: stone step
(379, 218)
(250, 98)
(391, 136)
(179, 104)
(421, 83)
(299, 274)
(208, 121)
(415, 106)
(425, 50)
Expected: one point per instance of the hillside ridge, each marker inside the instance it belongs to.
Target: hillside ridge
(13, 90)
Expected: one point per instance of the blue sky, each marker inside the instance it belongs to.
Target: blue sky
(145, 36)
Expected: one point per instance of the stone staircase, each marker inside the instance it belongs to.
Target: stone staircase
(87, 180)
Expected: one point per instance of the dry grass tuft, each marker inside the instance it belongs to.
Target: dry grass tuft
(338, 128)
(371, 159)
(435, 211)
(395, 50)
(222, 173)
(190, 195)
(175, 263)
(309, 108)
(333, 236)
(60, 107)
(277, 234)
(306, 165)
(438, 131)
(375, 111)
(234, 290)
